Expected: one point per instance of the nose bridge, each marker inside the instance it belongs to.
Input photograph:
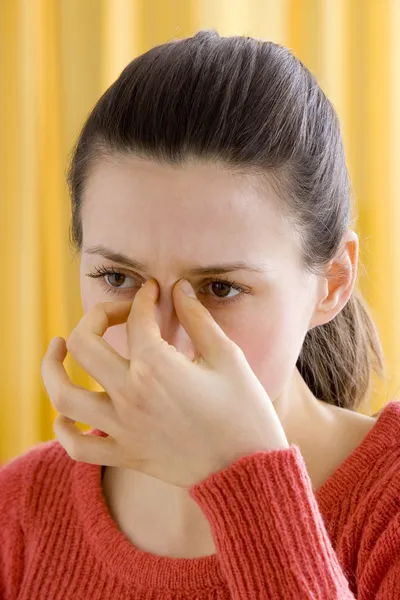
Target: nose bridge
(171, 329)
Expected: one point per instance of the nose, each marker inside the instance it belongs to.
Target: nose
(171, 329)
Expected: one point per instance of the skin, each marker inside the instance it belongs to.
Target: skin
(173, 219)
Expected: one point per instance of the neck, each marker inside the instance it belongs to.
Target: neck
(163, 519)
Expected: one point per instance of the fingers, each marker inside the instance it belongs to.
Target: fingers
(209, 340)
(142, 326)
(89, 448)
(92, 352)
(91, 408)
(93, 449)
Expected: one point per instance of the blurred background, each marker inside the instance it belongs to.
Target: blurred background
(56, 59)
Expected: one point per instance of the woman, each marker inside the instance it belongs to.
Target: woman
(227, 458)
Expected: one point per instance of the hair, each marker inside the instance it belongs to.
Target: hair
(251, 106)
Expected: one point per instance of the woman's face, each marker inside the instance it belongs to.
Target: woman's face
(173, 220)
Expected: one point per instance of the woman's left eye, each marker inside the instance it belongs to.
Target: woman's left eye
(224, 287)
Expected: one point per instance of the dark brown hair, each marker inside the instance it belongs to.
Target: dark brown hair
(254, 107)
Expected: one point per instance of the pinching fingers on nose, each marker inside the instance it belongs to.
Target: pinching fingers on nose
(142, 326)
(210, 341)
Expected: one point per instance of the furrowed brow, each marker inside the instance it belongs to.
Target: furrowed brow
(214, 269)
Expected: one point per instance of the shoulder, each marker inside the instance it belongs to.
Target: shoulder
(26, 479)
(360, 454)
(379, 432)
(377, 505)
(379, 459)
(25, 467)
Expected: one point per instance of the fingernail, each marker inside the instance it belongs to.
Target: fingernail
(187, 288)
(153, 288)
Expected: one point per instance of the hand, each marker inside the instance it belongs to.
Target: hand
(167, 416)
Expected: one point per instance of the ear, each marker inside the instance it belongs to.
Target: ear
(337, 286)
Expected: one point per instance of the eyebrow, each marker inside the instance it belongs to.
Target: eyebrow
(214, 269)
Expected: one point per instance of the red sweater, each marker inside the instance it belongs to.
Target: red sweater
(276, 537)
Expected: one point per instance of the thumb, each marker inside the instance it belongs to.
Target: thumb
(209, 340)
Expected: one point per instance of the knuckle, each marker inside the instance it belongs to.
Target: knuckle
(73, 341)
(144, 371)
(74, 450)
(97, 309)
(46, 364)
(61, 401)
(70, 444)
(99, 313)
(234, 350)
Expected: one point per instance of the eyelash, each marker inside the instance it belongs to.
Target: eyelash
(101, 272)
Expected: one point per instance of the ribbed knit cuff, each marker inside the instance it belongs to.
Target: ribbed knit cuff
(268, 530)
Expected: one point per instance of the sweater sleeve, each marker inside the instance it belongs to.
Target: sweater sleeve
(269, 533)
(11, 532)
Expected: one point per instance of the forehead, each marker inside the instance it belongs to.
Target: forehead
(193, 206)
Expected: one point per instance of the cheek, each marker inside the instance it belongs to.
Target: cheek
(271, 343)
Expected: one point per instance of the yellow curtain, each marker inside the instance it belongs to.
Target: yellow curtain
(56, 59)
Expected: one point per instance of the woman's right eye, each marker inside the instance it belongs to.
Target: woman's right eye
(106, 277)
(118, 277)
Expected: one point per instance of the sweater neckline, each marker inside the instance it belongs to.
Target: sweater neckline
(121, 557)
(140, 568)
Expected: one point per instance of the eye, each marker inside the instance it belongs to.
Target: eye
(106, 276)
(120, 279)
(221, 289)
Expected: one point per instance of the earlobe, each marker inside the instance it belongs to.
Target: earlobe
(332, 302)
(338, 284)
(323, 315)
